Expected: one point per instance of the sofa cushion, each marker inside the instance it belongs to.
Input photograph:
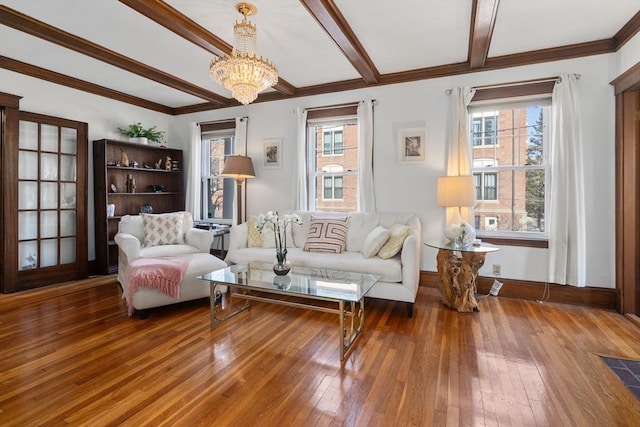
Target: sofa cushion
(163, 229)
(397, 234)
(374, 241)
(390, 269)
(327, 235)
(167, 250)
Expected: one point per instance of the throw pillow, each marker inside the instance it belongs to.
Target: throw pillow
(327, 235)
(374, 241)
(163, 229)
(397, 234)
(254, 236)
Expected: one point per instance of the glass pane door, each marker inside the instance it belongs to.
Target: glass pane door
(47, 183)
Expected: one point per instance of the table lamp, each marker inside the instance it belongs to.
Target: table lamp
(238, 168)
(455, 192)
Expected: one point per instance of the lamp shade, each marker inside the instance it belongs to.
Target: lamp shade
(456, 191)
(238, 167)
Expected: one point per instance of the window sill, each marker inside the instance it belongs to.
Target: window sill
(510, 241)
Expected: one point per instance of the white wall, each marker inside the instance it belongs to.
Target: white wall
(411, 188)
(399, 187)
(628, 56)
(103, 115)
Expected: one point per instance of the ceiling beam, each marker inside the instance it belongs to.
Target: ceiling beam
(16, 20)
(483, 20)
(515, 60)
(171, 19)
(330, 18)
(552, 54)
(627, 31)
(65, 80)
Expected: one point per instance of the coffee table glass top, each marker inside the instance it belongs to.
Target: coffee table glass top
(302, 281)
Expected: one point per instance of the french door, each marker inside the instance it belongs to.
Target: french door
(45, 218)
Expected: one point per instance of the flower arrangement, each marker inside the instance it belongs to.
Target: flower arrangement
(271, 220)
(460, 234)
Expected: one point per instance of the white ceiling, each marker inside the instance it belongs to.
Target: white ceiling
(398, 35)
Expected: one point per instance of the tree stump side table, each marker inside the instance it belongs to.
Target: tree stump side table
(458, 269)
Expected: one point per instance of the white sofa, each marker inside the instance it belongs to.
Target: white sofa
(197, 246)
(400, 274)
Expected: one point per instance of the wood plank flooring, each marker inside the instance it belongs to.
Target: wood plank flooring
(69, 355)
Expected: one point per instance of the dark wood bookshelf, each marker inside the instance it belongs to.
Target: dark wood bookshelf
(109, 173)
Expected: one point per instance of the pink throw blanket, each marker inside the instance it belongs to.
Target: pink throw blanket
(163, 274)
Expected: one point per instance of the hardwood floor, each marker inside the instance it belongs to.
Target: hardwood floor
(69, 355)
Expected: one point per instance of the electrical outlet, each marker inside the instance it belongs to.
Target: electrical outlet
(496, 269)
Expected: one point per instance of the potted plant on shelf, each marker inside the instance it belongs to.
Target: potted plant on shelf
(138, 133)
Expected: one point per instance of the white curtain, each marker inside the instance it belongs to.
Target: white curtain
(459, 147)
(567, 245)
(366, 195)
(194, 178)
(240, 148)
(300, 180)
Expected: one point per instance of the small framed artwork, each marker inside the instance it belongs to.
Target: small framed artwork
(412, 144)
(272, 153)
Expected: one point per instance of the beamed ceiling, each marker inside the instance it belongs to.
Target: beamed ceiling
(156, 54)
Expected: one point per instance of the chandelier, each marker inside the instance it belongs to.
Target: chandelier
(244, 73)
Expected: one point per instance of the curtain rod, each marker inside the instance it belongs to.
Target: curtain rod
(212, 122)
(519, 83)
(331, 107)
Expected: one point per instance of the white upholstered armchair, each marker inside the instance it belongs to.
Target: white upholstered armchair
(180, 240)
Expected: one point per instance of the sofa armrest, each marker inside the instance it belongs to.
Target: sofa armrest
(128, 245)
(238, 239)
(201, 239)
(410, 258)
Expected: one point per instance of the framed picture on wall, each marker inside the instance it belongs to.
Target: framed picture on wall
(412, 144)
(272, 153)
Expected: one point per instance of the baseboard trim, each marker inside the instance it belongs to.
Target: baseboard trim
(525, 289)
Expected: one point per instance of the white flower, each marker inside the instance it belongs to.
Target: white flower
(272, 221)
(462, 230)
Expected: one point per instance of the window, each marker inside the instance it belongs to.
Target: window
(333, 182)
(485, 128)
(332, 141)
(217, 192)
(486, 185)
(333, 160)
(510, 167)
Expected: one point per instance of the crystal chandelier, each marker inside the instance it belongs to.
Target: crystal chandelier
(244, 73)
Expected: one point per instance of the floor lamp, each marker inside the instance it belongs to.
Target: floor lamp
(238, 168)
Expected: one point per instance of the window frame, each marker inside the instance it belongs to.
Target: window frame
(329, 118)
(543, 99)
(207, 136)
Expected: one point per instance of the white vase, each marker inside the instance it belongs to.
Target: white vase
(141, 140)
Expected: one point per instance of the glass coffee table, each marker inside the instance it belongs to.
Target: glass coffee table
(309, 288)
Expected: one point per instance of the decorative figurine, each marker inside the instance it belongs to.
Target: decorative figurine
(158, 163)
(167, 163)
(124, 161)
